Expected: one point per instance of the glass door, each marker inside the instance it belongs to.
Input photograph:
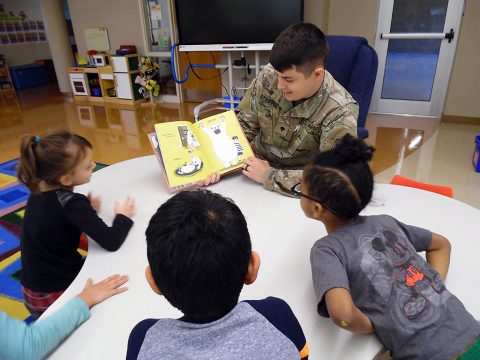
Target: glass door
(415, 43)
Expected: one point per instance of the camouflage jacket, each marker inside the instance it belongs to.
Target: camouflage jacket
(287, 136)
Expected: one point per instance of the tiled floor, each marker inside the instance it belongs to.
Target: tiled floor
(422, 149)
(427, 151)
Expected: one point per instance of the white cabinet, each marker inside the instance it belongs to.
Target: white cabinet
(125, 71)
(124, 88)
(119, 63)
(79, 84)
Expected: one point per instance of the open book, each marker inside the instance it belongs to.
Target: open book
(188, 153)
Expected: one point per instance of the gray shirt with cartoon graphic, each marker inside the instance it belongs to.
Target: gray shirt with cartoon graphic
(376, 259)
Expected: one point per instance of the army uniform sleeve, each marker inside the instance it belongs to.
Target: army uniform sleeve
(247, 111)
(282, 181)
(337, 124)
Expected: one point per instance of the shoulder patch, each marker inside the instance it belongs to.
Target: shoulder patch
(64, 196)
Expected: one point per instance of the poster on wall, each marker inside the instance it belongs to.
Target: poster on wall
(32, 37)
(20, 29)
(12, 37)
(9, 26)
(97, 39)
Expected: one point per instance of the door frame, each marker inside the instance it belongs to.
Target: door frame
(435, 106)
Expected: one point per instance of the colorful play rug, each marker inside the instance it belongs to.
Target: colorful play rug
(13, 197)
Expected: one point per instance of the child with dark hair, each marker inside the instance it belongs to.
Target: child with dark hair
(367, 273)
(199, 255)
(51, 166)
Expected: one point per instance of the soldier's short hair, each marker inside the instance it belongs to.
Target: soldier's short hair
(302, 45)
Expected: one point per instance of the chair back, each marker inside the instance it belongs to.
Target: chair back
(353, 63)
(439, 189)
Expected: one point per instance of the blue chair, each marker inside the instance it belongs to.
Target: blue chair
(353, 63)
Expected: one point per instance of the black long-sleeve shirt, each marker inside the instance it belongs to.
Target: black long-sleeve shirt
(52, 225)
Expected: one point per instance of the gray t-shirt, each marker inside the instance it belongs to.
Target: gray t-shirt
(254, 329)
(375, 258)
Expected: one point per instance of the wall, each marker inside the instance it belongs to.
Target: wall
(316, 12)
(464, 89)
(358, 18)
(120, 17)
(20, 54)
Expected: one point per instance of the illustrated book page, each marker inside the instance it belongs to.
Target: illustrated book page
(191, 152)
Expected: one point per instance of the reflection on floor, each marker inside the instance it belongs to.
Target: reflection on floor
(423, 149)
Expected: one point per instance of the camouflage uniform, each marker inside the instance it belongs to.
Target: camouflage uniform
(288, 136)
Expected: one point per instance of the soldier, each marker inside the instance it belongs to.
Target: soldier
(293, 110)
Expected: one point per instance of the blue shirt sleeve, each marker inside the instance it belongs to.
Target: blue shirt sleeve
(137, 336)
(280, 315)
(21, 341)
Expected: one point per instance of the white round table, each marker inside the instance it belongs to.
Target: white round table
(280, 233)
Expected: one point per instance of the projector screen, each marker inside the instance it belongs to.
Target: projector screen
(233, 24)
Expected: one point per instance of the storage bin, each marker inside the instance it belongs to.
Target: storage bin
(96, 91)
(227, 104)
(27, 76)
(49, 69)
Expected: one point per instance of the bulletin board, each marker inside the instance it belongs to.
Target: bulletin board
(97, 39)
(18, 30)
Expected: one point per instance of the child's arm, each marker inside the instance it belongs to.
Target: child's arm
(127, 207)
(94, 294)
(79, 211)
(96, 201)
(438, 254)
(345, 314)
(21, 341)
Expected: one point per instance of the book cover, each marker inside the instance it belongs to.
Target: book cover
(190, 152)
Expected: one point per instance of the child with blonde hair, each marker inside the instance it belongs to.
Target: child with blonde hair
(51, 166)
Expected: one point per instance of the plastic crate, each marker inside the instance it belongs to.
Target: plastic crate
(27, 76)
(476, 154)
(96, 91)
(227, 104)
